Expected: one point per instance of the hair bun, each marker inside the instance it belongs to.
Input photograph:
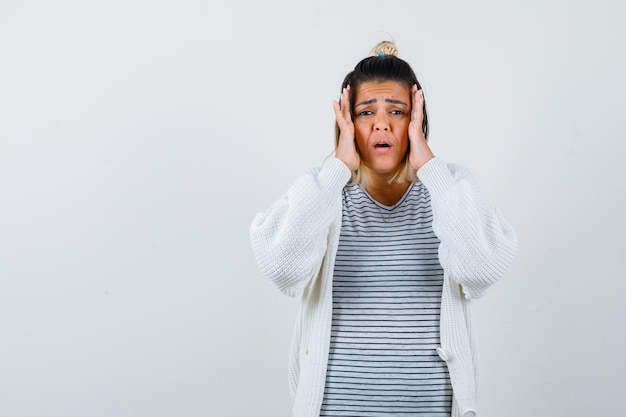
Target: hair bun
(385, 48)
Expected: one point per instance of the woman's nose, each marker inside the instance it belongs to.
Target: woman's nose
(381, 122)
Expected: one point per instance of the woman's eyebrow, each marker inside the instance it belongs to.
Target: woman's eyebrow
(387, 100)
(366, 102)
(392, 101)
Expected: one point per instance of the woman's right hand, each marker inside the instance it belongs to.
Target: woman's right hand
(346, 148)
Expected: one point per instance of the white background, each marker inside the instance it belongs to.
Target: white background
(139, 138)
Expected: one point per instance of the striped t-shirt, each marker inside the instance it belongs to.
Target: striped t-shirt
(386, 304)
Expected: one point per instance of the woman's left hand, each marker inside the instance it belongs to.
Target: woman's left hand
(419, 152)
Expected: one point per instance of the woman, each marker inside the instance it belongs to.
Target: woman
(385, 245)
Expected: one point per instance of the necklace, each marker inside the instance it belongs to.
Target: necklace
(385, 218)
(391, 208)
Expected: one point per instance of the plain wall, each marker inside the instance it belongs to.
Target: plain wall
(139, 138)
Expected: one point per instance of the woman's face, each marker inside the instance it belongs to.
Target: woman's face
(382, 113)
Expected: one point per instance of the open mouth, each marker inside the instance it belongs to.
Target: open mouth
(382, 145)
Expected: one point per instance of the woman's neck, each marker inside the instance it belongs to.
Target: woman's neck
(386, 193)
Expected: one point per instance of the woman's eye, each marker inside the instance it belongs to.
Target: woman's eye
(397, 112)
(365, 113)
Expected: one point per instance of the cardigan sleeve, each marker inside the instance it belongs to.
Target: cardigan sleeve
(477, 243)
(289, 239)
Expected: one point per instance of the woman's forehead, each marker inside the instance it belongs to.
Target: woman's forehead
(382, 90)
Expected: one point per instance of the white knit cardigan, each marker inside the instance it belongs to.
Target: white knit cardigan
(295, 242)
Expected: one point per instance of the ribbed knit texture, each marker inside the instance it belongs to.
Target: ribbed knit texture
(295, 243)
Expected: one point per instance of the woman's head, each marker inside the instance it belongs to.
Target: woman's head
(383, 67)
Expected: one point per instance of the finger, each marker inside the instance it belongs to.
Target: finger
(418, 103)
(413, 101)
(339, 112)
(346, 104)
